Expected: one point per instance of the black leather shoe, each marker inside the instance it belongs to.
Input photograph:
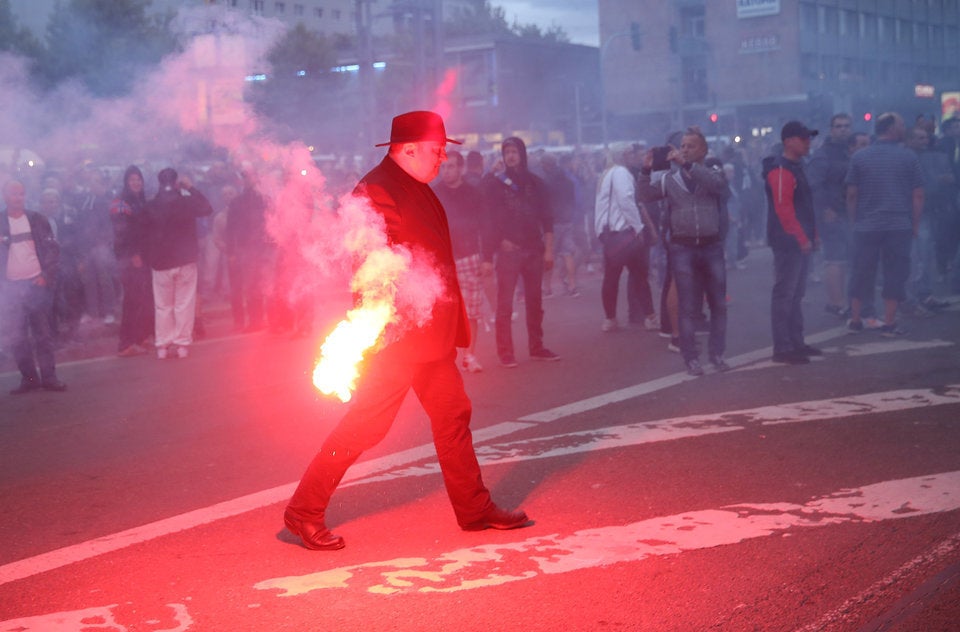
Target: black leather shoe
(498, 518)
(25, 387)
(316, 537)
(56, 386)
(809, 351)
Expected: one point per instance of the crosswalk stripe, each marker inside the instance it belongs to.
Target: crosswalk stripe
(615, 544)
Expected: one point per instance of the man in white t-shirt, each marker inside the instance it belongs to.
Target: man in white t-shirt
(29, 256)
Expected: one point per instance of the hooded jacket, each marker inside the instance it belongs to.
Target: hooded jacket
(519, 207)
(127, 214)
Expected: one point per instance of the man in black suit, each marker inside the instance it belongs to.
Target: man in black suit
(421, 357)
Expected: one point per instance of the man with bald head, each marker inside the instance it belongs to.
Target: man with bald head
(29, 256)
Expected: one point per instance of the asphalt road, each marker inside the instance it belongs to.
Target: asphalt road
(821, 497)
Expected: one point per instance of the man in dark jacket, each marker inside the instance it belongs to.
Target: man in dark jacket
(173, 251)
(791, 233)
(248, 252)
(826, 172)
(421, 357)
(29, 256)
(520, 234)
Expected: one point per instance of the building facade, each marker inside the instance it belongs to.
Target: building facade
(743, 67)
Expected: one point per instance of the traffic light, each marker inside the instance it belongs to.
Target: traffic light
(714, 117)
(867, 116)
(635, 35)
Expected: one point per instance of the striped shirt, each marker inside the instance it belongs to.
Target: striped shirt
(885, 174)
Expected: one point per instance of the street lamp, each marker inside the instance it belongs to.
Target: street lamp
(633, 32)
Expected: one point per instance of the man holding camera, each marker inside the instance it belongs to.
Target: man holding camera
(696, 195)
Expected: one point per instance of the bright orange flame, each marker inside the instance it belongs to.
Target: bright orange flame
(336, 372)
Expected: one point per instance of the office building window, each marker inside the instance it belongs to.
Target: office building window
(336, 14)
(298, 9)
(808, 17)
(318, 11)
(693, 22)
(257, 6)
(694, 80)
(280, 7)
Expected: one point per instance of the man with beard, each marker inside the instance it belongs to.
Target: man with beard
(520, 235)
(422, 358)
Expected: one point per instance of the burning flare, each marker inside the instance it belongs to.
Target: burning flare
(337, 371)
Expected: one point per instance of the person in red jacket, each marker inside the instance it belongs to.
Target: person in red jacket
(792, 235)
(423, 358)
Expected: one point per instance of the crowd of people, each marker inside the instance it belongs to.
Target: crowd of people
(526, 226)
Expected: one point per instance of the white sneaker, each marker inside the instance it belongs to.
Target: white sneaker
(609, 324)
(872, 323)
(471, 364)
(109, 319)
(651, 322)
(162, 353)
(182, 353)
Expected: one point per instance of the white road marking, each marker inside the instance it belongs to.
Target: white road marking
(481, 566)
(363, 472)
(103, 618)
(846, 616)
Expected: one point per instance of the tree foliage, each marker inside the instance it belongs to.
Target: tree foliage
(15, 38)
(299, 83)
(104, 44)
(483, 18)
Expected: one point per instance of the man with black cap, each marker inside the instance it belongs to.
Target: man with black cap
(423, 358)
(520, 235)
(791, 234)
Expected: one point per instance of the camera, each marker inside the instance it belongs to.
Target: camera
(660, 162)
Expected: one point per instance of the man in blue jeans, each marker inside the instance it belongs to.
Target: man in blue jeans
(791, 233)
(695, 195)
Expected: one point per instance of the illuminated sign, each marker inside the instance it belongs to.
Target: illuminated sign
(950, 104)
(924, 91)
(759, 44)
(757, 8)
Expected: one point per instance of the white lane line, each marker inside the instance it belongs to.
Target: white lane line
(98, 546)
(633, 434)
(847, 615)
(481, 566)
(631, 392)
(366, 471)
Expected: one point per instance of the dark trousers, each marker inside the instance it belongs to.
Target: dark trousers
(700, 270)
(246, 290)
(382, 389)
(790, 267)
(27, 329)
(511, 266)
(136, 320)
(633, 255)
(891, 248)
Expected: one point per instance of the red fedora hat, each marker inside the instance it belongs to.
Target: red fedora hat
(420, 125)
